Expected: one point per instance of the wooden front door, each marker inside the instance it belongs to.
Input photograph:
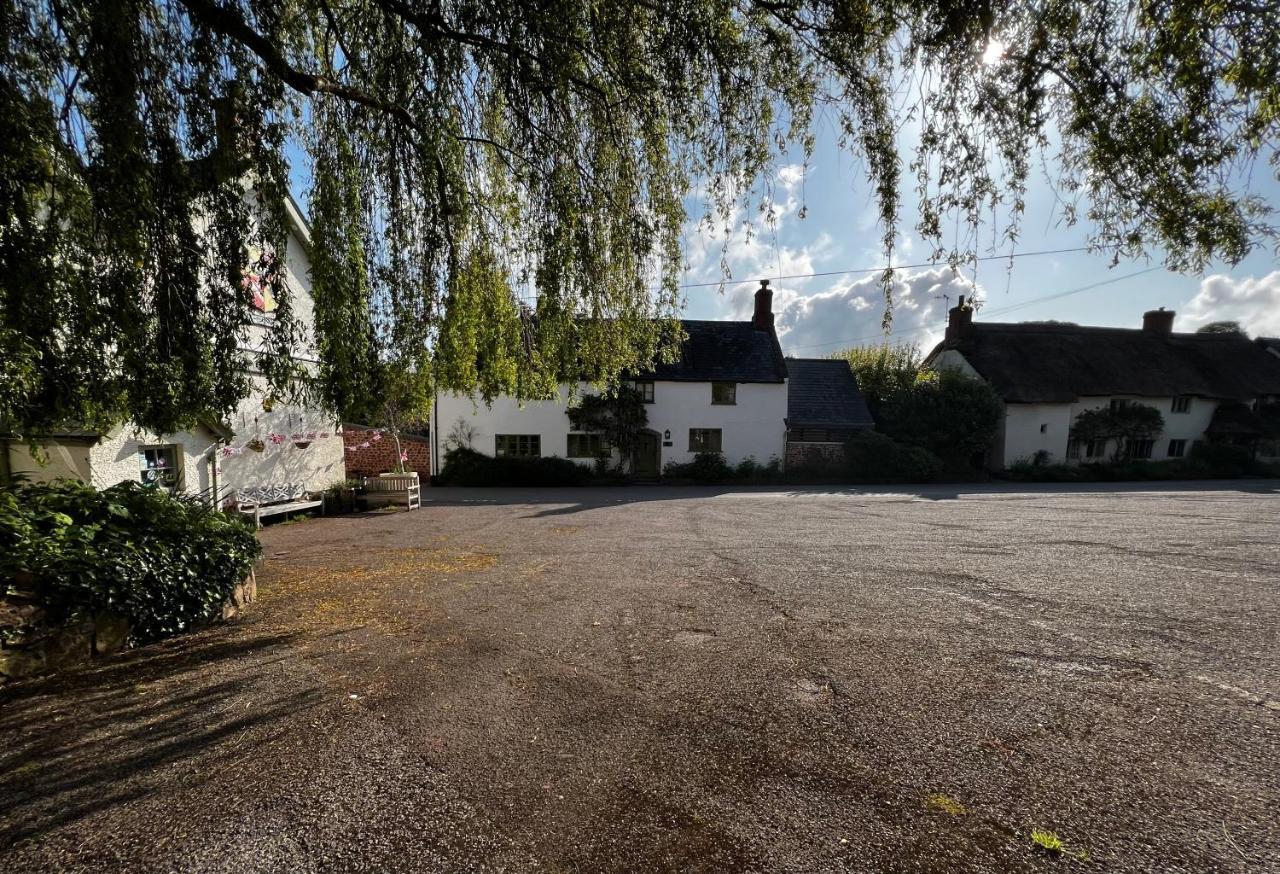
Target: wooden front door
(644, 462)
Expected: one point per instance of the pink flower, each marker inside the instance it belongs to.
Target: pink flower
(364, 445)
(404, 456)
(376, 436)
(311, 435)
(275, 438)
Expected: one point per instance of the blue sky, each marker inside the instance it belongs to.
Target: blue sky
(820, 315)
(823, 314)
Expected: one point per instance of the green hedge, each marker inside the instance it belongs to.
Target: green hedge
(163, 563)
(874, 457)
(1205, 461)
(466, 467)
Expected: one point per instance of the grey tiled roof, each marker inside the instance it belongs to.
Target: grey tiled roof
(822, 393)
(725, 352)
(1036, 363)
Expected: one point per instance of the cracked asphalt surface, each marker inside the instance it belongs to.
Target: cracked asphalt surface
(663, 679)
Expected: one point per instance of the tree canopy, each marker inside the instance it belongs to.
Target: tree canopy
(1223, 327)
(499, 189)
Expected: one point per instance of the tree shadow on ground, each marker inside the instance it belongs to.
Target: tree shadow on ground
(567, 501)
(110, 733)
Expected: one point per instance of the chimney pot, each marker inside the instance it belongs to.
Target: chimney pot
(1158, 321)
(762, 319)
(959, 320)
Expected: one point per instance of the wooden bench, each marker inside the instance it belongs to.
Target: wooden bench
(285, 498)
(393, 489)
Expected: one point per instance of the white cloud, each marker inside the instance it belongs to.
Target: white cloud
(1253, 302)
(849, 313)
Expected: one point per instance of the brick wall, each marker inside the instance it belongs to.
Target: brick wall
(380, 455)
(814, 456)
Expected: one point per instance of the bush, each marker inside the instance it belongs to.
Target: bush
(1205, 461)
(163, 563)
(466, 467)
(872, 456)
(953, 416)
(706, 467)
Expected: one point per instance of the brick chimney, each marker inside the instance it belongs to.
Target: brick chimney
(762, 320)
(959, 320)
(1158, 321)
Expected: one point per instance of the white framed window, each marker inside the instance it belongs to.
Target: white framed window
(1095, 448)
(527, 445)
(1181, 405)
(645, 387)
(704, 440)
(1177, 448)
(1120, 403)
(161, 466)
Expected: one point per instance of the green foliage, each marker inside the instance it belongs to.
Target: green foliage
(163, 563)
(871, 456)
(1225, 327)
(466, 467)
(884, 371)
(1122, 424)
(951, 415)
(706, 467)
(508, 180)
(619, 414)
(1205, 461)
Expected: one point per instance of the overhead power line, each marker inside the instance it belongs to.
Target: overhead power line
(882, 269)
(997, 311)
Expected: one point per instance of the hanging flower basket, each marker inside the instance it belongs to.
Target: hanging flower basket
(301, 444)
(256, 445)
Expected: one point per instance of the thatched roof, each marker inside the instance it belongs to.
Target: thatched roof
(1038, 363)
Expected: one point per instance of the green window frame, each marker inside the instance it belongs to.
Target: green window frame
(583, 445)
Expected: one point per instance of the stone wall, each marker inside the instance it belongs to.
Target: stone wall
(30, 647)
(379, 456)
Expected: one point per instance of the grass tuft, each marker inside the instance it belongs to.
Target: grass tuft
(944, 803)
(1048, 841)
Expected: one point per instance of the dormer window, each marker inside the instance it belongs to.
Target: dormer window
(1181, 405)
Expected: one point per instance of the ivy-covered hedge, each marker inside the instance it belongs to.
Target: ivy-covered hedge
(162, 563)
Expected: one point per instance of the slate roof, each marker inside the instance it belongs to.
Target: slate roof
(724, 352)
(823, 393)
(1038, 363)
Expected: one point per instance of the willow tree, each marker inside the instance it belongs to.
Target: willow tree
(500, 187)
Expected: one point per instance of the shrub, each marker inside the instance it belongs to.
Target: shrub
(953, 416)
(163, 563)
(706, 467)
(466, 467)
(870, 455)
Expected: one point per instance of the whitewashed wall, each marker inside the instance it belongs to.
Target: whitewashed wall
(1020, 436)
(754, 426)
(115, 458)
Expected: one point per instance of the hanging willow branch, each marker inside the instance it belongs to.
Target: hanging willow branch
(499, 189)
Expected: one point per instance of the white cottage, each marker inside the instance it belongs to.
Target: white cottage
(1220, 387)
(727, 393)
(266, 442)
